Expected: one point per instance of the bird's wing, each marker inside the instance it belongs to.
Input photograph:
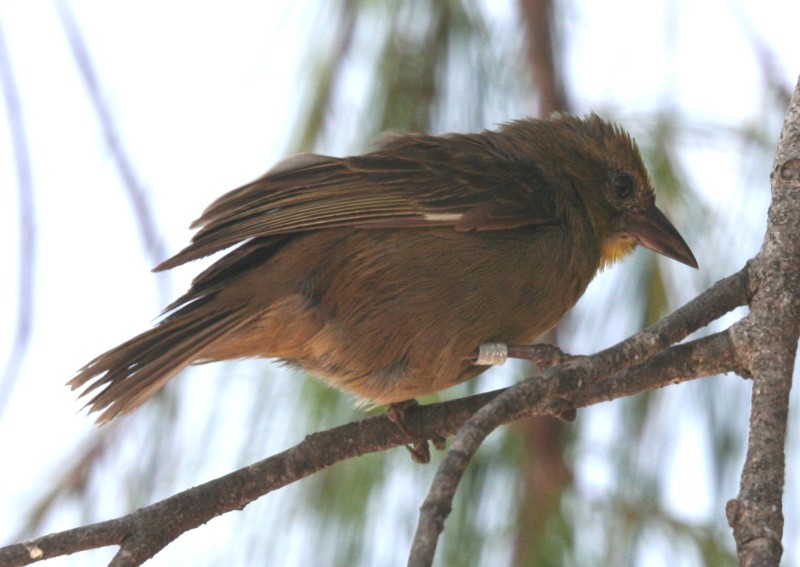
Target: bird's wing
(411, 181)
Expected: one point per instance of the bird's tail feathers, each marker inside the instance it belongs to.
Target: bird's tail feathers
(129, 374)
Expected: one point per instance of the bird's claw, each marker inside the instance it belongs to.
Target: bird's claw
(417, 447)
(543, 356)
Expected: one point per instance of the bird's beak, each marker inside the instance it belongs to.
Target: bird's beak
(654, 231)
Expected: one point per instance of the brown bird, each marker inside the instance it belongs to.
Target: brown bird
(383, 273)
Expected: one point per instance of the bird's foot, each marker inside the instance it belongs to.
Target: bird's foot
(496, 354)
(417, 446)
(543, 356)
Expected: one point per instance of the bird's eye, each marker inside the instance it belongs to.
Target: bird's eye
(624, 185)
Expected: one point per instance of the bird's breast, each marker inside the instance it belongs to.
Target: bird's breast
(393, 314)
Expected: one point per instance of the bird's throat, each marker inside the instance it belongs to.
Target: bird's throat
(614, 249)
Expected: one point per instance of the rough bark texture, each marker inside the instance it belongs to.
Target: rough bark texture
(766, 345)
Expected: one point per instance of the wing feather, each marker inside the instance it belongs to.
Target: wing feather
(462, 181)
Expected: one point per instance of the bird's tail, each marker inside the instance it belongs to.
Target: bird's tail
(129, 374)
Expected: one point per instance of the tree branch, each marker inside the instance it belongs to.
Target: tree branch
(146, 531)
(766, 344)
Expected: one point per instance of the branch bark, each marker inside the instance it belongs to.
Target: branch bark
(766, 344)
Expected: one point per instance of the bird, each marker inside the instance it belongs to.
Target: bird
(383, 273)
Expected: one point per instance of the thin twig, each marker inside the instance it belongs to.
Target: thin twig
(27, 226)
(151, 237)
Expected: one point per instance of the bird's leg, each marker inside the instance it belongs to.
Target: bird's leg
(496, 354)
(418, 447)
(542, 355)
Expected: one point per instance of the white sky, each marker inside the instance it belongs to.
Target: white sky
(202, 95)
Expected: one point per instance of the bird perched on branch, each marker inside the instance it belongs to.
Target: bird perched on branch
(384, 273)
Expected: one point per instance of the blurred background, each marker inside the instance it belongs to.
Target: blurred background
(122, 120)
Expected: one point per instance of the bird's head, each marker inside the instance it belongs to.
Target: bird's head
(611, 183)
